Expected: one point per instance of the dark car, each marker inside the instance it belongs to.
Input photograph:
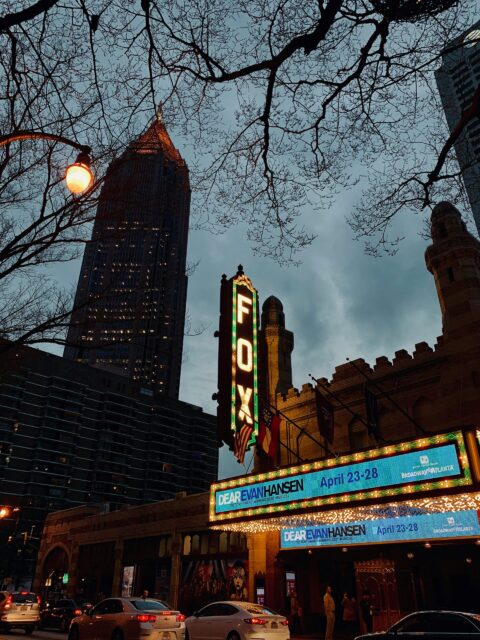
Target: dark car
(431, 625)
(58, 614)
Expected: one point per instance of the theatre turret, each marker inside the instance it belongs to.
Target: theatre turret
(454, 260)
(276, 346)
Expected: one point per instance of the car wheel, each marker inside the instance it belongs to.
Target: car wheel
(65, 625)
(187, 635)
(233, 636)
(117, 635)
(74, 634)
(29, 629)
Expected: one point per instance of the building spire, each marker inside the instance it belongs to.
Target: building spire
(159, 113)
(157, 140)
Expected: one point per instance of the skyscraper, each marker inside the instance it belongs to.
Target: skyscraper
(130, 303)
(457, 79)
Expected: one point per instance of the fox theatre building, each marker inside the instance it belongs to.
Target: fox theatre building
(397, 524)
(373, 486)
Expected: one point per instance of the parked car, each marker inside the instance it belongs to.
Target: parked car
(57, 614)
(231, 620)
(128, 619)
(431, 625)
(20, 609)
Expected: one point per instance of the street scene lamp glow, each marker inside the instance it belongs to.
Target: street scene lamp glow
(79, 175)
(4, 512)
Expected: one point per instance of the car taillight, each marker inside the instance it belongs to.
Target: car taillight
(39, 600)
(24, 593)
(77, 612)
(255, 621)
(145, 617)
(8, 604)
(180, 617)
(284, 622)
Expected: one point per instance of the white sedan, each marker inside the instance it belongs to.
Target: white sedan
(231, 620)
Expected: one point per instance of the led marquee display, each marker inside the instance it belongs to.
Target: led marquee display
(238, 358)
(425, 464)
(454, 524)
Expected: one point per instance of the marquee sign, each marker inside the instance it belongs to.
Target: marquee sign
(425, 464)
(431, 526)
(238, 358)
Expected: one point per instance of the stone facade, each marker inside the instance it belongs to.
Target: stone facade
(430, 390)
(81, 527)
(434, 389)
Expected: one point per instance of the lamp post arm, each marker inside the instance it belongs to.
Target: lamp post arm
(31, 135)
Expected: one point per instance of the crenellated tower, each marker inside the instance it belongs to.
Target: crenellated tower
(276, 346)
(454, 260)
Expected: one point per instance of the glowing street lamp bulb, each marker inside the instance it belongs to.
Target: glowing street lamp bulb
(78, 177)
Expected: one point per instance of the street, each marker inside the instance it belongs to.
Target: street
(41, 635)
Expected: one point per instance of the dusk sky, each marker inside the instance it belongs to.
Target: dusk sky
(338, 302)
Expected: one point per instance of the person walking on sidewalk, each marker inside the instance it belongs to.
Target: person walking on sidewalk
(366, 609)
(329, 606)
(349, 615)
(295, 611)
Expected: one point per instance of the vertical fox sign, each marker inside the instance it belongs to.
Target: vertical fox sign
(237, 364)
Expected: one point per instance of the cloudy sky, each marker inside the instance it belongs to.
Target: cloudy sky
(339, 302)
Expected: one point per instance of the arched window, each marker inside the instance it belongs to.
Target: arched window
(204, 544)
(422, 411)
(223, 546)
(196, 544)
(234, 541)
(358, 435)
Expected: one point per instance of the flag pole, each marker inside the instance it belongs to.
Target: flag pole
(282, 444)
(389, 397)
(302, 430)
(340, 402)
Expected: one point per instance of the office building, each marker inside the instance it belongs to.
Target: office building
(72, 434)
(457, 79)
(129, 312)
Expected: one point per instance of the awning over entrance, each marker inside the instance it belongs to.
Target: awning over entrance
(405, 491)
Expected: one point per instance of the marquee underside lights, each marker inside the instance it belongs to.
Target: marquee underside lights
(364, 513)
(431, 463)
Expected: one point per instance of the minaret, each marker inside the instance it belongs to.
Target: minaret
(276, 346)
(131, 293)
(454, 260)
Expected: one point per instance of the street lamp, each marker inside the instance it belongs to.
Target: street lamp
(78, 175)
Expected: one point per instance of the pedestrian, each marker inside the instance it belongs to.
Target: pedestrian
(349, 615)
(295, 610)
(329, 606)
(366, 610)
(145, 594)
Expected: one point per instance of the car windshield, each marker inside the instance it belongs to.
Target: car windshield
(24, 597)
(257, 610)
(65, 603)
(149, 605)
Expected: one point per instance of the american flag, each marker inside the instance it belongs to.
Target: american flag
(241, 440)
